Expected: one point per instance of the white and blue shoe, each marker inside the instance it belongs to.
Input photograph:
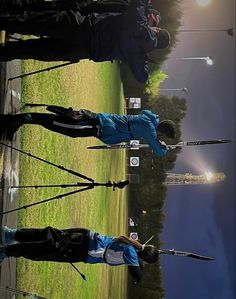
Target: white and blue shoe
(2, 254)
(7, 235)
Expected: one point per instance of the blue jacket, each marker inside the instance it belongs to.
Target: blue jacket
(104, 249)
(125, 36)
(123, 128)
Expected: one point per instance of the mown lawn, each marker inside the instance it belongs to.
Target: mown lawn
(85, 85)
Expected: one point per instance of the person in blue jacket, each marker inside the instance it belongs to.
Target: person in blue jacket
(109, 128)
(76, 245)
(121, 32)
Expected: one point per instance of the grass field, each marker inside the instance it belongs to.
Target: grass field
(85, 85)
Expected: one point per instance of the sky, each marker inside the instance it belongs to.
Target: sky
(201, 218)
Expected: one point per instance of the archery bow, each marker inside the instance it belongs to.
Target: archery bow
(181, 253)
(170, 146)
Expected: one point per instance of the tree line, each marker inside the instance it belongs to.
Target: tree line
(146, 199)
(149, 195)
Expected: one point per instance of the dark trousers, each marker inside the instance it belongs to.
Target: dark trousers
(59, 124)
(67, 38)
(17, 6)
(35, 244)
(84, 6)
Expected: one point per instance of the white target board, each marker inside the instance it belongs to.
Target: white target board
(131, 222)
(133, 236)
(134, 103)
(134, 161)
(134, 144)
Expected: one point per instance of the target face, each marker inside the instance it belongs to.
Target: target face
(133, 236)
(134, 161)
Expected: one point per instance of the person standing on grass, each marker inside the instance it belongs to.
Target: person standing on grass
(76, 245)
(128, 35)
(109, 128)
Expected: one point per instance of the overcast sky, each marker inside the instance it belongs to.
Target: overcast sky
(202, 218)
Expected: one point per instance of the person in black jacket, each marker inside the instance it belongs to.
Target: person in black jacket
(73, 35)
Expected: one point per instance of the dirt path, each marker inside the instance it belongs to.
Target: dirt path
(10, 93)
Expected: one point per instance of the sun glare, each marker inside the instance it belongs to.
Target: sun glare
(203, 2)
(209, 175)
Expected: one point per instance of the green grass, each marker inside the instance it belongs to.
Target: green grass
(85, 85)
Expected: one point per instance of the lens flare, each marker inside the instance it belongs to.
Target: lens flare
(209, 175)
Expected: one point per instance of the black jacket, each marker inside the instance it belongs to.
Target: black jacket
(125, 37)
